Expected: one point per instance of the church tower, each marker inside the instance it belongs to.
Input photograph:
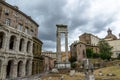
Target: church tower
(110, 36)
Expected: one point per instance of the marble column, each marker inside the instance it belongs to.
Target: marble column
(59, 47)
(66, 46)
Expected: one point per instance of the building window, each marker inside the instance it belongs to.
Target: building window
(26, 21)
(7, 22)
(21, 45)
(1, 39)
(28, 46)
(7, 12)
(31, 32)
(27, 30)
(20, 27)
(12, 42)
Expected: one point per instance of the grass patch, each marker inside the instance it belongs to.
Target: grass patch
(113, 69)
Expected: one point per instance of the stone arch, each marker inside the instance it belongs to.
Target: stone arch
(19, 68)
(9, 69)
(0, 67)
(27, 67)
(12, 42)
(21, 46)
(2, 39)
(34, 48)
(28, 46)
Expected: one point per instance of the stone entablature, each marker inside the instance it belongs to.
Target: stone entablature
(15, 53)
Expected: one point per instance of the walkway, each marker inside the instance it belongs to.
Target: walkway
(33, 77)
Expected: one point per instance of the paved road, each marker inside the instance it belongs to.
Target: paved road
(33, 77)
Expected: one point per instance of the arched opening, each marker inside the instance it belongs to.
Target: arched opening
(19, 68)
(0, 66)
(27, 67)
(21, 44)
(28, 46)
(1, 39)
(33, 67)
(12, 42)
(34, 48)
(9, 69)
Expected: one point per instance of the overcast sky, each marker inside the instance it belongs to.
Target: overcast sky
(91, 16)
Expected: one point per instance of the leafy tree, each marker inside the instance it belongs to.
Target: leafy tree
(89, 53)
(118, 56)
(73, 65)
(96, 55)
(72, 59)
(105, 49)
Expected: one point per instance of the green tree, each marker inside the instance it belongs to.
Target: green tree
(72, 59)
(105, 49)
(89, 53)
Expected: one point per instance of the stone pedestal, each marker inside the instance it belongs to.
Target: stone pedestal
(63, 65)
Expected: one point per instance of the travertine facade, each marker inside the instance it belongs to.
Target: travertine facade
(15, 53)
(16, 43)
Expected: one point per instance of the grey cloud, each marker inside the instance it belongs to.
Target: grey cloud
(48, 13)
(100, 22)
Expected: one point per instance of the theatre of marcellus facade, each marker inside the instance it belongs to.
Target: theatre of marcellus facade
(18, 35)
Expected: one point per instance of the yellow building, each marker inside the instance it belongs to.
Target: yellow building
(64, 56)
(37, 65)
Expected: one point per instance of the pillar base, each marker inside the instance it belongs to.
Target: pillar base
(63, 65)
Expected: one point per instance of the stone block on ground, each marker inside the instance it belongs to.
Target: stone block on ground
(72, 73)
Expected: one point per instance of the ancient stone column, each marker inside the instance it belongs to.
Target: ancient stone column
(30, 68)
(17, 44)
(23, 69)
(14, 72)
(66, 46)
(3, 70)
(4, 42)
(7, 41)
(58, 47)
(25, 46)
(31, 48)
